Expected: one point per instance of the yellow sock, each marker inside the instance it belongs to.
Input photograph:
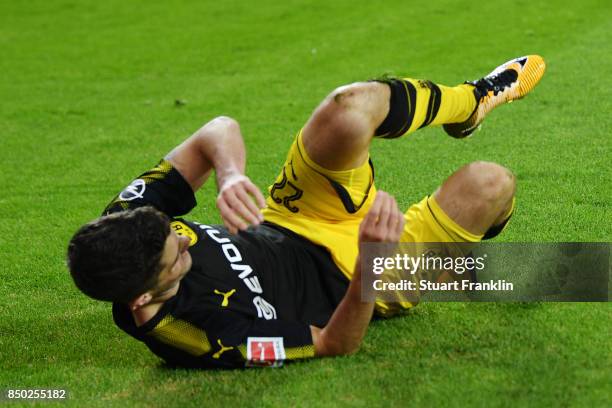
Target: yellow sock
(439, 104)
(457, 105)
(418, 103)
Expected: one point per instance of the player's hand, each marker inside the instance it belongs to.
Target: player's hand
(384, 222)
(239, 202)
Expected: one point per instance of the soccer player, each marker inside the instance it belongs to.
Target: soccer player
(281, 280)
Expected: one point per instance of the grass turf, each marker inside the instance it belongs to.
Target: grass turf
(88, 93)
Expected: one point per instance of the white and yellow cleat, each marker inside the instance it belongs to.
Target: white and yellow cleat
(508, 82)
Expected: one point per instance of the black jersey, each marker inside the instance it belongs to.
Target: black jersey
(249, 299)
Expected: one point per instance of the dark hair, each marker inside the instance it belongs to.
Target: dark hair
(117, 257)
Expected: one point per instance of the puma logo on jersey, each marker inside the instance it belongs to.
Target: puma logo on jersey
(223, 349)
(264, 309)
(225, 295)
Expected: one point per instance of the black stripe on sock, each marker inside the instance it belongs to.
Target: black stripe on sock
(402, 104)
(433, 106)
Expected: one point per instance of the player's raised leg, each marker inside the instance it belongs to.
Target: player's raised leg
(326, 183)
(338, 134)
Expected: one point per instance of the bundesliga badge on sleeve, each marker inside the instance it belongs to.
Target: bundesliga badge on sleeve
(265, 352)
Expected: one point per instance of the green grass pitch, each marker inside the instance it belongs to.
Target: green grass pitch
(87, 101)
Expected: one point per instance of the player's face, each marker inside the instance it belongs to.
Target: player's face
(176, 262)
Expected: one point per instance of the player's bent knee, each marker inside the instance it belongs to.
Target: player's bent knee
(346, 96)
(491, 181)
(347, 116)
(334, 111)
(358, 96)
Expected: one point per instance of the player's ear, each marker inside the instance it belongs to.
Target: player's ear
(140, 301)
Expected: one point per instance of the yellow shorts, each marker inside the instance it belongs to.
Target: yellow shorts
(326, 207)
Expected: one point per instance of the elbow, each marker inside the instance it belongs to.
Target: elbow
(221, 125)
(226, 122)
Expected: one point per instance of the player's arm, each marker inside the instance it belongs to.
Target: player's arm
(218, 146)
(347, 326)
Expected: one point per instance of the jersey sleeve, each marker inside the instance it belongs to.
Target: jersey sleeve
(267, 343)
(227, 339)
(162, 187)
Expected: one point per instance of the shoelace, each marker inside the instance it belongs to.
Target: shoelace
(496, 83)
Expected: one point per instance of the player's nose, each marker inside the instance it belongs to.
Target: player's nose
(185, 241)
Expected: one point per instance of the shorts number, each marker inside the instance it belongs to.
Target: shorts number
(292, 195)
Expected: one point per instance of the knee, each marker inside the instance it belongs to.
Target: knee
(359, 101)
(492, 183)
(347, 96)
